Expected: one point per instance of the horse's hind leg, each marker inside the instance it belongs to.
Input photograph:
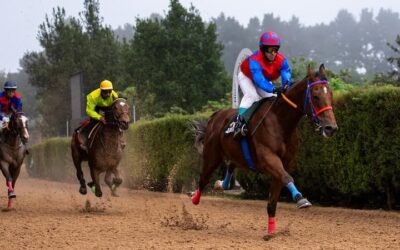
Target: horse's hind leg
(212, 160)
(225, 184)
(79, 173)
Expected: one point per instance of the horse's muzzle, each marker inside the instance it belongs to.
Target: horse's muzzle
(124, 125)
(25, 139)
(329, 130)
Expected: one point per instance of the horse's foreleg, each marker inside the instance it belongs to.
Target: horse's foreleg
(113, 183)
(5, 169)
(95, 186)
(276, 187)
(107, 178)
(15, 171)
(117, 181)
(273, 165)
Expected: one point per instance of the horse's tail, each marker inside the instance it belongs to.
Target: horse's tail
(199, 130)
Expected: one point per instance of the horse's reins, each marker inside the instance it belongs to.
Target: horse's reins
(262, 118)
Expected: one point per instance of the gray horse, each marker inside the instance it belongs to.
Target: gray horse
(13, 150)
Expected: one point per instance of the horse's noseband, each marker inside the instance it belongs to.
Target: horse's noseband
(116, 117)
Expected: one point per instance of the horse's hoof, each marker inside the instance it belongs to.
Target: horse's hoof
(98, 194)
(114, 194)
(303, 203)
(83, 190)
(218, 185)
(11, 195)
(196, 197)
(268, 237)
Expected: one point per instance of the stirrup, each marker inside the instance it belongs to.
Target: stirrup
(240, 131)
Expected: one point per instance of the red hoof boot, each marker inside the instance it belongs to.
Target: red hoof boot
(271, 225)
(196, 197)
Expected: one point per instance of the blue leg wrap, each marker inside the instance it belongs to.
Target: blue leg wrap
(292, 188)
(227, 180)
(242, 110)
(246, 152)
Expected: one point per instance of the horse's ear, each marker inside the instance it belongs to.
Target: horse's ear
(309, 71)
(322, 70)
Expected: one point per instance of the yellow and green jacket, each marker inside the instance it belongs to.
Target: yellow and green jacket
(94, 100)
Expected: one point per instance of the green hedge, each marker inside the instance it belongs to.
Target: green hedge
(51, 159)
(159, 156)
(359, 166)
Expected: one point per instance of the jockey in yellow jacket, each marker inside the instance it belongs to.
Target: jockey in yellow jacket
(102, 97)
(96, 102)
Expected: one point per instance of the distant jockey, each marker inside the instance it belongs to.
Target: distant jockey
(10, 101)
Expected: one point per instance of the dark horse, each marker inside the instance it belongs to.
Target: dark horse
(272, 143)
(105, 151)
(13, 151)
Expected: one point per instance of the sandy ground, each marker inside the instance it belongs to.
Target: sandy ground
(51, 215)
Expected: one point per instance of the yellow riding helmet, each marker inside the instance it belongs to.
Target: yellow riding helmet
(106, 85)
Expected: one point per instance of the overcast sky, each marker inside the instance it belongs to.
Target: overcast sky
(20, 19)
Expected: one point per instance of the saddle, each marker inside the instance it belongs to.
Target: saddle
(86, 133)
(248, 114)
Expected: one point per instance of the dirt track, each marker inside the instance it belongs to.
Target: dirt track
(50, 215)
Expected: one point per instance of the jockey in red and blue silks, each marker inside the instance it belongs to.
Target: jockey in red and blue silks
(256, 73)
(10, 101)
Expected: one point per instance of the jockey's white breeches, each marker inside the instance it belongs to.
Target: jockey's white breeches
(251, 93)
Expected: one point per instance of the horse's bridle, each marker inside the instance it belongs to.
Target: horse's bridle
(309, 103)
(14, 126)
(116, 116)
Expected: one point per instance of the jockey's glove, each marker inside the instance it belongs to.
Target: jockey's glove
(279, 90)
(6, 119)
(103, 120)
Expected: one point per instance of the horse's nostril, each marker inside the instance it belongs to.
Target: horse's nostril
(330, 129)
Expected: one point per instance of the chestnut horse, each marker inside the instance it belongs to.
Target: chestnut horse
(105, 151)
(272, 141)
(13, 151)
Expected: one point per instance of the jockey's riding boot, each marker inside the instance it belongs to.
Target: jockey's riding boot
(240, 127)
(82, 141)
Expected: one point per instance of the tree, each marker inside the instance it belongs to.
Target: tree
(395, 61)
(70, 45)
(175, 62)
